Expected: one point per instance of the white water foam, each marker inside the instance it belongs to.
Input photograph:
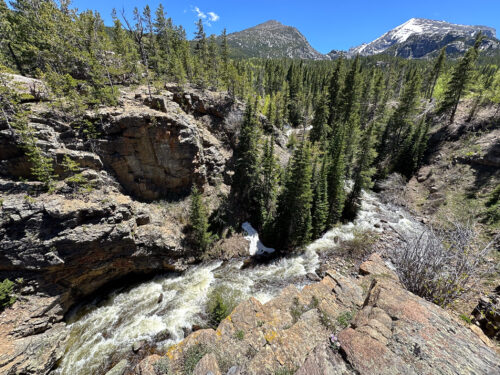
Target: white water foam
(104, 331)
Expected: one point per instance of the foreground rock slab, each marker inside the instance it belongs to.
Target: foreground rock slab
(381, 329)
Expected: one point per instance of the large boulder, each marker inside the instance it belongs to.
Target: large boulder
(72, 246)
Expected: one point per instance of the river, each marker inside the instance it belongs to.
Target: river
(104, 331)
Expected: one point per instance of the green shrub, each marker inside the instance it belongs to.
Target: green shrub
(492, 214)
(296, 310)
(314, 302)
(344, 319)
(192, 356)
(6, 293)
(285, 371)
(75, 178)
(292, 141)
(360, 245)
(221, 301)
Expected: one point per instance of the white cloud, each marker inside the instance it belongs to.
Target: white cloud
(199, 13)
(208, 17)
(213, 17)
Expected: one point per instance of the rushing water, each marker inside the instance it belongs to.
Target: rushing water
(105, 331)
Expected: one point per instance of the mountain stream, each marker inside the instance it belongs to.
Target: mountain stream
(163, 309)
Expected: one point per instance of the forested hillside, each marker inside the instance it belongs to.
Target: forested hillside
(368, 116)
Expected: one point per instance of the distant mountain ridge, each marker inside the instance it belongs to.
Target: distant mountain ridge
(272, 39)
(414, 39)
(421, 38)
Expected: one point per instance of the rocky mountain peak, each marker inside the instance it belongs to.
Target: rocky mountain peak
(271, 24)
(272, 39)
(423, 38)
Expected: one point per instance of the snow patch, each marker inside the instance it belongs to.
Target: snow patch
(403, 32)
(256, 246)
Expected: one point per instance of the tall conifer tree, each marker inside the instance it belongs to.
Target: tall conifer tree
(198, 220)
(459, 80)
(294, 221)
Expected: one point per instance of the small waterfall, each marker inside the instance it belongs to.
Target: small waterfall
(107, 330)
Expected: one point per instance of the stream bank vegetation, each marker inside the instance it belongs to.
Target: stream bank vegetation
(441, 265)
(221, 302)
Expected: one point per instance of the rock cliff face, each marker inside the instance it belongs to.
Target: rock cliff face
(162, 150)
(68, 244)
(152, 154)
(380, 328)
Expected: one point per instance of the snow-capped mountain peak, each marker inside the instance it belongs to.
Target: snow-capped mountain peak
(404, 31)
(418, 37)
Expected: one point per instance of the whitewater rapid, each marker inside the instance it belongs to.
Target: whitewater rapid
(163, 309)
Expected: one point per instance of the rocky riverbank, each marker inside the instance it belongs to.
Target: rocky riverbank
(378, 328)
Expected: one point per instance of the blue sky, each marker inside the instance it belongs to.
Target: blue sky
(334, 24)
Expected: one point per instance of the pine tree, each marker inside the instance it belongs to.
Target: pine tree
(247, 167)
(411, 152)
(435, 73)
(459, 80)
(362, 173)
(269, 185)
(423, 140)
(198, 221)
(225, 58)
(401, 120)
(123, 46)
(349, 114)
(320, 200)
(349, 99)
(336, 177)
(294, 221)
(320, 128)
(150, 38)
(5, 42)
(201, 40)
(163, 30)
(213, 62)
(366, 97)
(379, 99)
(295, 103)
(201, 54)
(334, 91)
